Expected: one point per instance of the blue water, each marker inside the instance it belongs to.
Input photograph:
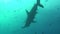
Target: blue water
(13, 17)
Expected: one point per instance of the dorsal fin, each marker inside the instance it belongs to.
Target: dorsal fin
(27, 12)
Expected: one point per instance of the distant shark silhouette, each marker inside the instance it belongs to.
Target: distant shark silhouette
(32, 13)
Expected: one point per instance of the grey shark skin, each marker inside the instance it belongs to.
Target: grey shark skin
(32, 13)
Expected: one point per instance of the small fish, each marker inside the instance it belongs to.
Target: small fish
(42, 32)
(50, 24)
(58, 9)
(35, 32)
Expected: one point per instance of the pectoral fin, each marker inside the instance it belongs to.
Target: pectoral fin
(41, 5)
(34, 21)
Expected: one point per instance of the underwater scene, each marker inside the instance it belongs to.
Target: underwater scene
(29, 16)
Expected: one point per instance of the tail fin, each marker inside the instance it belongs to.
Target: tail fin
(38, 3)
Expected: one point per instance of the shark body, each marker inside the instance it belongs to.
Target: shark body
(32, 13)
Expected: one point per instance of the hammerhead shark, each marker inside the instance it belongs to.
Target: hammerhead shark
(32, 13)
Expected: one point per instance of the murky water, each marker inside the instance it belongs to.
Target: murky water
(13, 16)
